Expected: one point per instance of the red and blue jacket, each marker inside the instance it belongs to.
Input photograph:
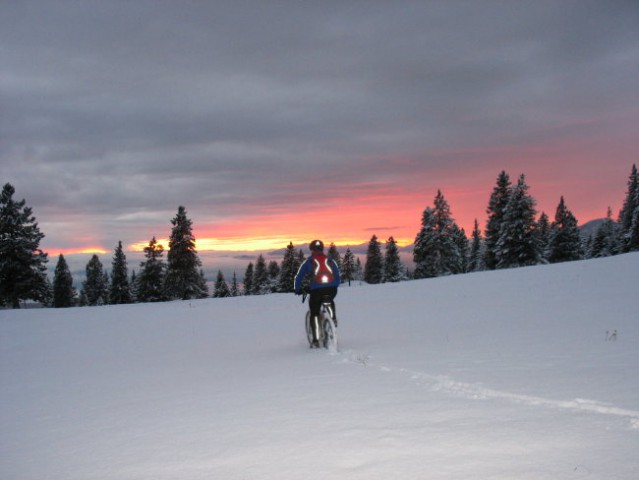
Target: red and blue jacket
(322, 270)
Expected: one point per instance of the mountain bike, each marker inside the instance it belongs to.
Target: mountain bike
(327, 325)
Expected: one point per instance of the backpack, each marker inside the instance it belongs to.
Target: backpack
(322, 270)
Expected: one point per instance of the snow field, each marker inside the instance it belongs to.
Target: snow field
(505, 375)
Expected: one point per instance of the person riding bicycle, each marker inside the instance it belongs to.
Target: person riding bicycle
(324, 280)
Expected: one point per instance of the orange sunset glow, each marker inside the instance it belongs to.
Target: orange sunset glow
(345, 220)
(83, 250)
(342, 221)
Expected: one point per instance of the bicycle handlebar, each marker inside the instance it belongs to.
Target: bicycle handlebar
(305, 293)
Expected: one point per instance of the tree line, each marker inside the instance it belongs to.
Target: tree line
(23, 266)
(515, 235)
(261, 278)
(180, 277)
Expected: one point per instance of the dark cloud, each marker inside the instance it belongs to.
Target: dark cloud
(123, 110)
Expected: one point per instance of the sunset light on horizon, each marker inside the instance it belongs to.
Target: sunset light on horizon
(350, 222)
(77, 251)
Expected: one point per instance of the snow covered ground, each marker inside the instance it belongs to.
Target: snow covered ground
(501, 375)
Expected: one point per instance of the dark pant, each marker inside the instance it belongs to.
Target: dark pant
(316, 297)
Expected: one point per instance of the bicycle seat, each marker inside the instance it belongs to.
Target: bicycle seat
(327, 299)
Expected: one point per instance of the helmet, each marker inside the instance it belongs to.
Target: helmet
(316, 246)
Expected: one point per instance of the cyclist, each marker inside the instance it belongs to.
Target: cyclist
(324, 280)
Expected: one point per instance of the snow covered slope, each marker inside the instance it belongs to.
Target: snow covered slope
(503, 375)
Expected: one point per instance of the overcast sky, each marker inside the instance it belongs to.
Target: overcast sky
(289, 120)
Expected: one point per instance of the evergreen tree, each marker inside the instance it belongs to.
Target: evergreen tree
(183, 279)
(248, 279)
(518, 243)
(605, 242)
(96, 284)
(221, 288)
(273, 271)
(451, 241)
(348, 267)
(82, 300)
(134, 286)
(150, 284)
(105, 281)
(374, 268)
(202, 285)
(260, 277)
(393, 269)
(629, 215)
(440, 246)
(63, 289)
(496, 206)
(288, 270)
(426, 255)
(333, 253)
(543, 234)
(564, 241)
(120, 292)
(588, 246)
(23, 274)
(359, 271)
(47, 295)
(632, 237)
(460, 254)
(475, 259)
(300, 257)
(234, 288)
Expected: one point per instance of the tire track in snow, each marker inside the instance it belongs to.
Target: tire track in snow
(445, 384)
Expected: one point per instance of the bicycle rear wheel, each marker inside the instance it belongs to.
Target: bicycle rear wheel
(330, 334)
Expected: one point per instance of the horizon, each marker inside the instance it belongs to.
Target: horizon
(229, 262)
(138, 248)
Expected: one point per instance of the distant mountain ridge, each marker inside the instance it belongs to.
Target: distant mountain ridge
(589, 229)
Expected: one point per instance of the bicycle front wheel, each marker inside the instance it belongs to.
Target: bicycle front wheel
(309, 330)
